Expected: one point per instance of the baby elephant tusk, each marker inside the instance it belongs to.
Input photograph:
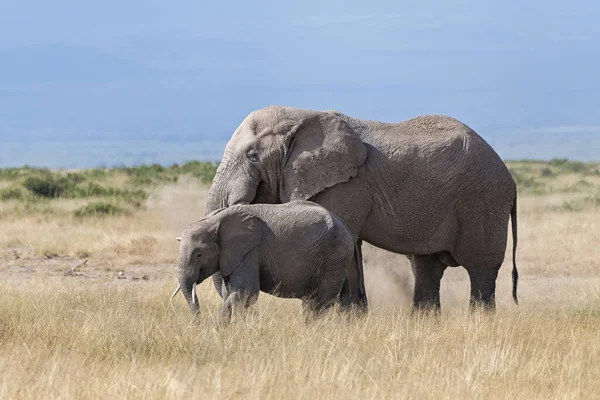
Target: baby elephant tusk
(194, 293)
(175, 292)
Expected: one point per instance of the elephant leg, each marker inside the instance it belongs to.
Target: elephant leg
(345, 295)
(428, 271)
(483, 286)
(363, 302)
(358, 297)
(314, 307)
(232, 305)
(235, 303)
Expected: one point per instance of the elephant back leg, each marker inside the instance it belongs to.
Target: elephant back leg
(480, 250)
(428, 271)
(313, 307)
(326, 288)
(483, 285)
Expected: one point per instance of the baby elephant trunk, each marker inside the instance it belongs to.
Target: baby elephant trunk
(187, 283)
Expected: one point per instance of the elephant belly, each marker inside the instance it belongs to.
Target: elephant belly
(402, 244)
(418, 234)
(283, 287)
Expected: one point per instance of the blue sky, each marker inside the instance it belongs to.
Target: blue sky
(519, 73)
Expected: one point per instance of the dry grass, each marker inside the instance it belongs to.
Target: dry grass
(147, 236)
(105, 338)
(105, 342)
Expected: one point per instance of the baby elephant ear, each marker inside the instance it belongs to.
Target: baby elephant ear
(239, 232)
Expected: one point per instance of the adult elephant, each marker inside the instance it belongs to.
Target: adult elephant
(429, 187)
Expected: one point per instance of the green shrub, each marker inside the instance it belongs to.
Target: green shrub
(96, 173)
(75, 177)
(581, 203)
(525, 182)
(578, 186)
(593, 201)
(47, 185)
(203, 170)
(568, 166)
(572, 205)
(546, 172)
(147, 175)
(93, 189)
(11, 193)
(99, 209)
(9, 174)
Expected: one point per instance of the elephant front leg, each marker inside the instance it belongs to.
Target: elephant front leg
(232, 305)
(363, 303)
(240, 289)
(235, 303)
(428, 271)
(355, 279)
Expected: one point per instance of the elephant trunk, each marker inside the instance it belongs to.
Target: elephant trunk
(187, 283)
(232, 185)
(217, 196)
(218, 193)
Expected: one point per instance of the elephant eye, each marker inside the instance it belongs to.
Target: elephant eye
(198, 255)
(253, 155)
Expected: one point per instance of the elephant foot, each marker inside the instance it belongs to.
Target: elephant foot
(235, 304)
(479, 303)
(224, 316)
(313, 309)
(483, 287)
(430, 307)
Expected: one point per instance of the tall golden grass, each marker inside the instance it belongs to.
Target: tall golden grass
(106, 338)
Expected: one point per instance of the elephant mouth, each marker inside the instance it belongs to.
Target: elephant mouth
(264, 195)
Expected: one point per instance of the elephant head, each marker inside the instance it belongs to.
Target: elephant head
(218, 242)
(279, 154)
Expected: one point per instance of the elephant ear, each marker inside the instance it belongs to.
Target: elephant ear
(323, 151)
(239, 232)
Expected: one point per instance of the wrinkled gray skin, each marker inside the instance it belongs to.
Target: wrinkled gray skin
(429, 187)
(294, 250)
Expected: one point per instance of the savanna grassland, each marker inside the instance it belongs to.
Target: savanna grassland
(87, 265)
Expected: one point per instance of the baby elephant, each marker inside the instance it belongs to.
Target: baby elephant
(294, 250)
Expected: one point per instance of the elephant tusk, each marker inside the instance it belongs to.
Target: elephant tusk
(175, 292)
(194, 293)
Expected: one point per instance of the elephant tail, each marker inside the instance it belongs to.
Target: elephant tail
(515, 273)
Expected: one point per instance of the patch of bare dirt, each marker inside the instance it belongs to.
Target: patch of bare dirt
(19, 265)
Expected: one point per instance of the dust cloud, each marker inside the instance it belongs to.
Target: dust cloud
(178, 204)
(388, 278)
